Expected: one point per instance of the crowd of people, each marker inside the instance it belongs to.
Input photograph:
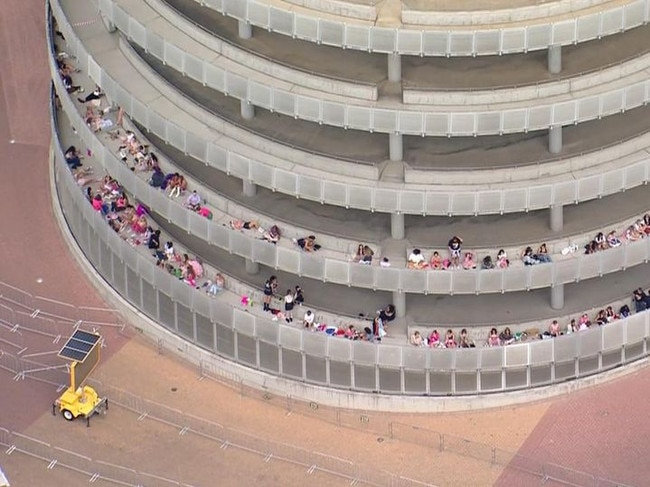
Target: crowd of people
(130, 220)
(640, 299)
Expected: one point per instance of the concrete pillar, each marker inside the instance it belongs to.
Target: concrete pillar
(252, 267)
(245, 29)
(557, 217)
(395, 68)
(249, 188)
(397, 226)
(110, 26)
(399, 301)
(395, 147)
(247, 110)
(557, 296)
(554, 59)
(555, 139)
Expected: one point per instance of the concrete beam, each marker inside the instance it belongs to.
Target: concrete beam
(556, 217)
(249, 188)
(557, 296)
(395, 147)
(399, 301)
(554, 59)
(247, 110)
(252, 267)
(244, 29)
(397, 226)
(394, 68)
(555, 139)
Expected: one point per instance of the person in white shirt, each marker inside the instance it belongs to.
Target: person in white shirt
(416, 260)
(308, 319)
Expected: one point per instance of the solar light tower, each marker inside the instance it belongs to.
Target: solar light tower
(82, 349)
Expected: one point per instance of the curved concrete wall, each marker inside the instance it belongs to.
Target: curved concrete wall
(446, 41)
(315, 358)
(584, 181)
(494, 117)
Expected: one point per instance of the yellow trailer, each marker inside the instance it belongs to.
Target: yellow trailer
(83, 350)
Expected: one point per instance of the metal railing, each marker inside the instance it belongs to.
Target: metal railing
(488, 40)
(339, 270)
(357, 193)
(351, 115)
(186, 424)
(311, 358)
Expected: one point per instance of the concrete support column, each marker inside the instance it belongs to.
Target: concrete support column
(247, 110)
(556, 217)
(245, 29)
(395, 147)
(395, 68)
(399, 301)
(554, 59)
(555, 139)
(252, 267)
(249, 188)
(110, 26)
(557, 296)
(397, 226)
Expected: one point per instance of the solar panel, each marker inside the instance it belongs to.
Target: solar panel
(79, 345)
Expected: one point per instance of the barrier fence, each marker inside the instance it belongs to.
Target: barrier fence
(225, 437)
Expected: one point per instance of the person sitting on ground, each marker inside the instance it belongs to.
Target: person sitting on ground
(572, 327)
(99, 205)
(455, 247)
(646, 223)
(601, 241)
(502, 259)
(416, 339)
(243, 225)
(416, 260)
(73, 157)
(612, 240)
(434, 339)
(387, 314)
(384, 262)
(601, 318)
(468, 261)
(358, 256)
(69, 86)
(178, 186)
(450, 339)
(193, 201)
(584, 323)
(367, 256)
(528, 257)
(157, 178)
(154, 240)
(299, 297)
(610, 314)
(493, 338)
(140, 225)
(436, 261)
(543, 255)
(624, 312)
(308, 244)
(351, 333)
(640, 300)
(554, 329)
(95, 97)
(308, 320)
(216, 285)
(272, 235)
(465, 341)
(632, 234)
(505, 337)
(591, 247)
(487, 263)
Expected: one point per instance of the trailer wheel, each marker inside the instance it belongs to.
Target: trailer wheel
(67, 415)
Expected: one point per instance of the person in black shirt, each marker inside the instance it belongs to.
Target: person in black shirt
(269, 289)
